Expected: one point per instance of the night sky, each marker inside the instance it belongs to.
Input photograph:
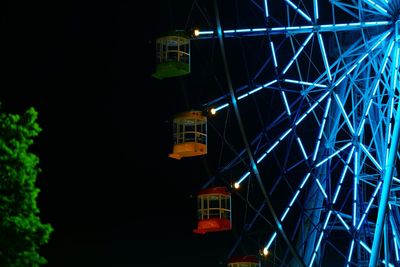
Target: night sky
(107, 186)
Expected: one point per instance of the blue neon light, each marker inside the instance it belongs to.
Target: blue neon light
(321, 188)
(205, 32)
(261, 158)
(343, 222)
(243, 96)
(365, 246)
(371, 157)
(285, 134)
(355, 188)
(387, 56)
(381, 40)
(350, 252)
(316, 13)
(396, 69)
(378, 7)
(270, 241)
(294, 198)
(327, 220)
(312, 259)
(395, 241)
(319, 241)
(272, 147)
(221, 107)
(243, 177)
(300, 29)
(305, 83)
(305, 180)
(301, 118)
(302, 148)
(316, 150)
(266, 8)
(332, 155)
(243, 30)
(343, 174)
(286, 103)
(285, 213)
(297, 9)
(273, 54)
(298, 53)
(369, 205)
(344, 113)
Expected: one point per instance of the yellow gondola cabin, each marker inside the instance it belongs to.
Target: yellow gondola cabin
(190, 135)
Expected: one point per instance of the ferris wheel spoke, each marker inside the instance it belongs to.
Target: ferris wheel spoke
(296, 195)
(316, 10)
(377, 165)
(343, 111)
(266, 8)
(361, 58)
(350, 9)
(298, 10)
(350, 255)
(282, 137)
(311, 85)
(273, 54)
(285, 213)
(293, 30)
(343, 175)
(395, 235)
(395, 70)
(333, 154)
(378, 7)
(320, 237)
(366, 211)
(297, 53)
(324, 57)
(322, 127)
(346, 226)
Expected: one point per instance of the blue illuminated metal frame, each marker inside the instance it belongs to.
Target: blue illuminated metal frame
(354, 101)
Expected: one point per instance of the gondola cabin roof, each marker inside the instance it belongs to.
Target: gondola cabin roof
(214, 191)
(247, 259)
(188, 116)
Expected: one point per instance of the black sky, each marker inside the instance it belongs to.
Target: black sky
(107, 186)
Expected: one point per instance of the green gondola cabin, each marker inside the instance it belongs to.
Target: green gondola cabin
(214, 210)
(189, 134)
(172, 55)
(244, 261)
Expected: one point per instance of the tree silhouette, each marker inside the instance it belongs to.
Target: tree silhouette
(21, 231)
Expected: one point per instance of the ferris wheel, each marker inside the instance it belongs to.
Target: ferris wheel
(308, 131)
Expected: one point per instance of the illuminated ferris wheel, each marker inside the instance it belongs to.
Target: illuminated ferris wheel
(315, 103)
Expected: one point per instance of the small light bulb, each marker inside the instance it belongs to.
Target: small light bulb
(265, 251)
(236, 185)
(213, 111)
(196, 32)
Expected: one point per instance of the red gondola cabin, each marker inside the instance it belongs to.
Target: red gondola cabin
(244, 261)
(214, 210)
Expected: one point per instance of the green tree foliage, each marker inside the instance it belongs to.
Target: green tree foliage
(21, 231)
